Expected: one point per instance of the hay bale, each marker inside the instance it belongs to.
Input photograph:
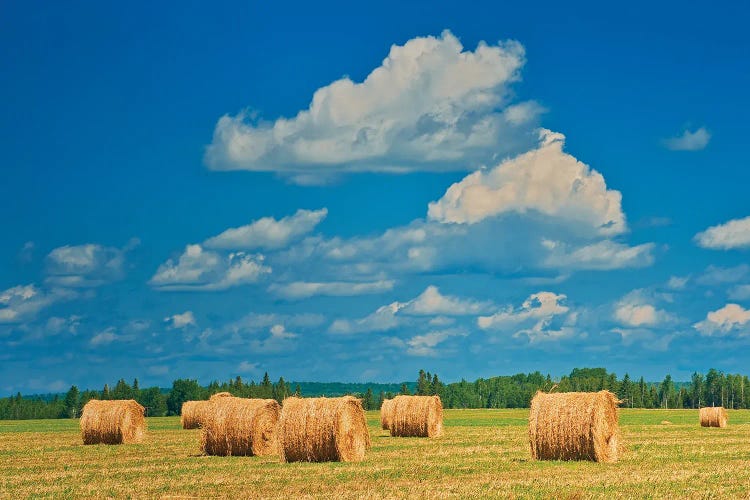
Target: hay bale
(666, 422)
(323, 430)
(713, 416)
(112, 422)
(386, 410)
(574, 426)
(191, 414)
(416, 416)
(220, 395)
(239, 426)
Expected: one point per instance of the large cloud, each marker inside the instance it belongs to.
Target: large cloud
(268, 233)
(545, 180)
(430, 106)
(727, 236)
(200, 269)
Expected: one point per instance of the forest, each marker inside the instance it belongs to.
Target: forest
(713, 388)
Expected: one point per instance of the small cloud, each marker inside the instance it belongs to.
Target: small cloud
(247, 367)
(180, 320)
(689, 141)
(678, 282)
(104, 337)
(205, 270)
(82, 266)
(26, 254)
(732, 318)
(734, 234)
(305, 289)
(158, 370)
(740, 292)
(268, 233)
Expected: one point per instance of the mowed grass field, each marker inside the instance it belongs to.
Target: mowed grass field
(483, 453)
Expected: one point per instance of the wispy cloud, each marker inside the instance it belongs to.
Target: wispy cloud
(689, 141)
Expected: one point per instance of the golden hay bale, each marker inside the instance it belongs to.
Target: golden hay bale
(418, 416)
(713, 416)
(574, 426)
(666, 422)
(221, 395)
(191, 414)
(239, 426)
(323, 430)
(386, 409)
(112, 422)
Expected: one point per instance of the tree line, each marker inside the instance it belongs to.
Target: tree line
(513, 391)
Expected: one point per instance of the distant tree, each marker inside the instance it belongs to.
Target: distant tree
(71, 403)
(423, 384)
(154, 401)
(105, 392)
(368, 401)
(404, 390)
(122, 390)
(297, 390)
(182, 390)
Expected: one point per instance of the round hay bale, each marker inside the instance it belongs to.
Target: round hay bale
(112, 422)
(239, 426)
(386, 410)
(323, 430)
(713, 416)
(220, 395)
(416, 416)
(574, 426)
(191, 414)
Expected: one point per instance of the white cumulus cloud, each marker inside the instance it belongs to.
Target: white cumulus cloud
(268, 233)
(200, 269)
(637, 310)
(544, 180)
(431, 105)
(84, 265)
(732, 318)
(727, 236)
(432, 302)
(538, 306)
(425, 344)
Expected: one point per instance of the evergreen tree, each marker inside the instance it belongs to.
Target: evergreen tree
(71, 403)
(423, 384)
(404, 390)
(368, 401)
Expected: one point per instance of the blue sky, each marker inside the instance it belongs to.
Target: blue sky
(328, 192)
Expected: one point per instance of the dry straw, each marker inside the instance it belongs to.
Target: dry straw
(574, 426)
(713, 416)
(323, 430)
(191, 414)
(386, 409)
(419, 416)
(239, 426)
(221, 395)
(112, 422)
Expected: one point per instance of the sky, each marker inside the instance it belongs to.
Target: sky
(336, 192)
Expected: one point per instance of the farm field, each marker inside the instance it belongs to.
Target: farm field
(483, 453)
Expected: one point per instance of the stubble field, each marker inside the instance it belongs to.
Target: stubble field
(483, 453)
